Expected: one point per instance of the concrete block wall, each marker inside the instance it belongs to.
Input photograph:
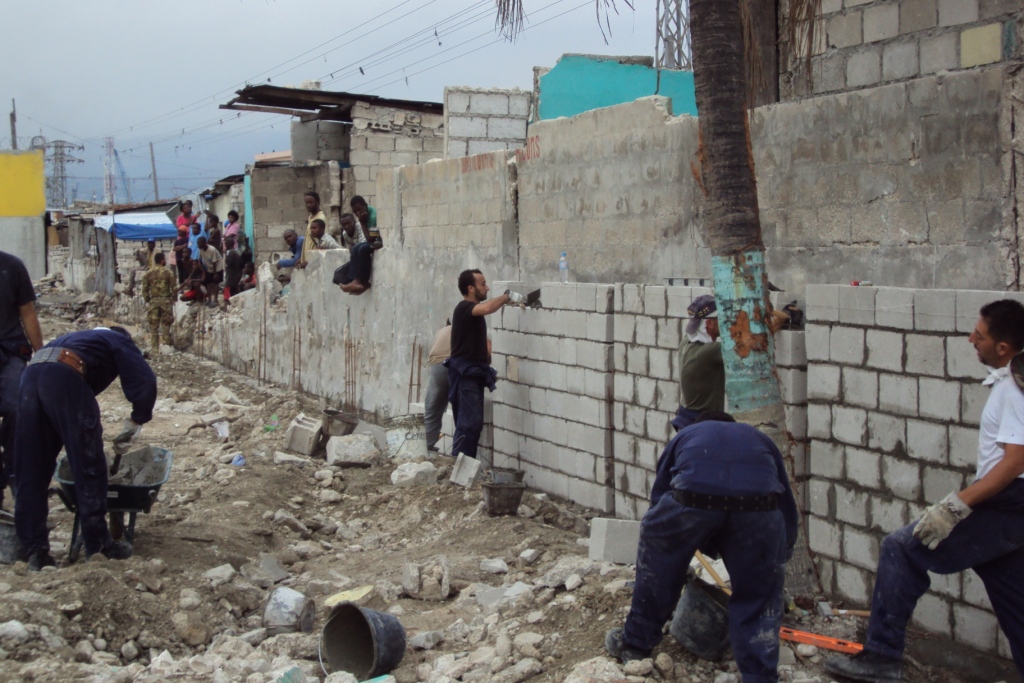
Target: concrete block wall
(317, 141)
(894, 400)
(385, 137)
(480, 120)
(278, 204)
(864, 43)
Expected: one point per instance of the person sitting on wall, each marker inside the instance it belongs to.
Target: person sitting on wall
(319, 239)
(248, 277)
(192, 289)
(729, 489)
(351, 234)
(295, 245)
(312, 200)
(356, 277)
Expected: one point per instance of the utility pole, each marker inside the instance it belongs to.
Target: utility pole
(14, 125)
(152, 163)
(58, 181)
(108, 171)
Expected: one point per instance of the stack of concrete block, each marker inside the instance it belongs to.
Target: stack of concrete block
(791, 368)
(648, 326)
(895, 399)
(552, 409)
(484, 120)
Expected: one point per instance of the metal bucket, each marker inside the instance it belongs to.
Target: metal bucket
(701, 621)
(503, 499)
(504, 475)
(362, 641)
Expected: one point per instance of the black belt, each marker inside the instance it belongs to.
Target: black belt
(702, 501)
(58, 354)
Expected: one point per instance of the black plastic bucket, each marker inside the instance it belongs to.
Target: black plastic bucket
(701, 621)
(362, 641)
(504, 475)
(503, 499)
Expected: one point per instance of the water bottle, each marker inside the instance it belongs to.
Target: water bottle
(563, 269)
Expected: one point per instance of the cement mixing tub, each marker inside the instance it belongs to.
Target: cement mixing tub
(131, 490)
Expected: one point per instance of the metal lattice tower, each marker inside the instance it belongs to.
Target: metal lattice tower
(672, 44)
(108, 171)
(57, 184)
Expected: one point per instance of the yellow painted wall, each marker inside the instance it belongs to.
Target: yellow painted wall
(22, 184)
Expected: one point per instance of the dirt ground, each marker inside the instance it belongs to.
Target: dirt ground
(158, 616)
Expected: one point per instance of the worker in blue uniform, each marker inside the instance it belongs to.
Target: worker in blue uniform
(728, 494)
(57, 408)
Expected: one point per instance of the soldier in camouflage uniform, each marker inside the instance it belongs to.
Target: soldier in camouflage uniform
(158, 289)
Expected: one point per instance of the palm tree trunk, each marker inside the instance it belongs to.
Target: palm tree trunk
(734, 230)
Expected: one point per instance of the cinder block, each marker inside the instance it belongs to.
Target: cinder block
(822, 303)
(818, 498)
(933, 614)
(519, 104)
(863, 467)
(646, 331)
(614, 540)
(669, 333)
(968, 307)
(860, 388)
(603, 299)
(678, 300)
(586, 296)
(503, 128)
(888, 515)
(817, 342)
(790, 349)
(636, 359)
(860, 549)
(466, 471)
(864, 68)
(972, 402)
(974, 591)
(962, 360)
(668, 396)
(823, 382)
(885, 432)
(793, 384)
(881, 22)
(594, 355)
(926, 355)
(939, 399)
(902, 477)
(899, 60)
(857, 305)
(963, 446)
(894, 308)
(953, 12)
(467, 127)
(819, 421)
(981, 45)
(796, 421)
(927, 441)
(624, 327)
(884, 350)
(303, 435)
(934, 310)
(632, 299)
(938, 483)
(938, 53)
(826, 459)
(824, 537)
(849, 425)
(646, 392)
(660, 363)
(851, 506)
(846, 345)
(654, 300)
(488, 103)
(975, 627)
(576, 324)
(844, 30)
(917, 15)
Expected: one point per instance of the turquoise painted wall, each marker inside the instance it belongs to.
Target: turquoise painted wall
(577, 84)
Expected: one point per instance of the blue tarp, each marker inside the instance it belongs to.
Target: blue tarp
(138, 226)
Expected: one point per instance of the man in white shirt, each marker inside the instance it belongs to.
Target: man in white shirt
(979, 528)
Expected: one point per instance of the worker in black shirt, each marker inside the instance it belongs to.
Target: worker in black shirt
(469, 367)
(20, 335)
(57, 409)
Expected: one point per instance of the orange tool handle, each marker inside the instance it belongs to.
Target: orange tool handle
(820, 641)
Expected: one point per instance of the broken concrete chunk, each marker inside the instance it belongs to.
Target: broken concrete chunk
(282, 517)
(494, 566)
(466, 471)
(378, 433)
(289, 459)
(218, 576)
(596, 670)
(426, 640)
(288, 611)
(354, 450)
(564, 568)
(529, 556)
(414, 474)
(573, 581)
(330, 496)
(428, 581)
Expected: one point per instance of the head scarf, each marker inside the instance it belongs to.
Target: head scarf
(700, 310)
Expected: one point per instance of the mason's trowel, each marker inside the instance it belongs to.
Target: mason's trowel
(533, 299)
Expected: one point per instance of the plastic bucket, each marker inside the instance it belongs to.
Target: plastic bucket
(503, 499)
(701, 621)
(502, 475)
(362, 641)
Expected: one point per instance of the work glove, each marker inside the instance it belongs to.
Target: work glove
(515, 297)
(129, 430)
(938, 520)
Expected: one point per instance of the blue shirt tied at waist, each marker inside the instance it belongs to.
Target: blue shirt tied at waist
(465, 369)
(726, 459)
(108, 354)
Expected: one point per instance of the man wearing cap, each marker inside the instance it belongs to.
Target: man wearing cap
(730, 493)
(979, 528)
(701, 369)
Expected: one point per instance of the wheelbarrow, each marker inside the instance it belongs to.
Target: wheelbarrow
(131, 490)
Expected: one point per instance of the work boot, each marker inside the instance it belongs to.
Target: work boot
(616, 647)
(40, 559)
(117, 550)
(866, 666)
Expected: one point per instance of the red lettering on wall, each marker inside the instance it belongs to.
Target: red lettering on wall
(479, 162)
(531, 151)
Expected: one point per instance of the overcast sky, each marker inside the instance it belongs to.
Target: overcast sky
(145, 71)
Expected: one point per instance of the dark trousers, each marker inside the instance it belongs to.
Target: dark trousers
(753, 546)
(468, 411)
(57, 409)
(990, 541)
(359, 266)
(10, 380)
